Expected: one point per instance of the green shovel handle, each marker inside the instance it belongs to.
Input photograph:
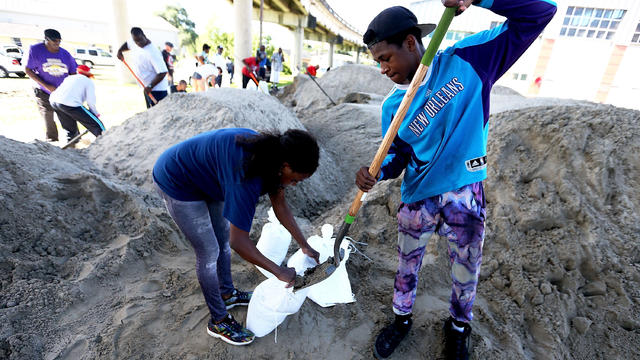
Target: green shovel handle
(438, 35)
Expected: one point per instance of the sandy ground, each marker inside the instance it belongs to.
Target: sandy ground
(94, 268)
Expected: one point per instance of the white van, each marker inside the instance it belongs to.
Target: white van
(93, 56)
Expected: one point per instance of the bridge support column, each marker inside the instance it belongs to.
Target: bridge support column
(242, 10)
(297, 48)
(331, 45)
(120, 34)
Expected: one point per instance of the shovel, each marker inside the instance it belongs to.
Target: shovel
(321, 89)
(319, 273)
(139, 82)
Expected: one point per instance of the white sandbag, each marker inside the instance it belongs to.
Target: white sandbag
(336, 289)
(271, 301)
(274, 242)
(263, 87)
(270, 304)
(323, 245)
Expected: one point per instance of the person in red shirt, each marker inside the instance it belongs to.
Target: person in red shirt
(311, 70)
(250, 66)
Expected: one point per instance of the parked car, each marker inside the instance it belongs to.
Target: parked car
(11, 61)
(93, 56)
(12, 51)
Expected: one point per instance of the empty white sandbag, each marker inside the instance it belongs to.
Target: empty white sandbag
(270, 304)
(274, 242)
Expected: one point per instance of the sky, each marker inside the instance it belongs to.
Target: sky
(359, 13)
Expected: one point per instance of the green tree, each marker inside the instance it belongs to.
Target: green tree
(178, 17)
(214, 37)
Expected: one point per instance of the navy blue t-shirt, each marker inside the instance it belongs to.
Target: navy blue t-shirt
(209, 167)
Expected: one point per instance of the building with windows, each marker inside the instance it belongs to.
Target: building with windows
(589, 51)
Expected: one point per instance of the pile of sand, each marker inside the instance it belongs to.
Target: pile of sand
(337, 83)
(130, 150)
(94, 268)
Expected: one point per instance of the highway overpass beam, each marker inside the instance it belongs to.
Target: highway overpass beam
(242, 11)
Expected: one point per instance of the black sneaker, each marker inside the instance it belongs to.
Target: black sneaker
(230, 332)
(238, 298)
(456, 343)
(390, 337)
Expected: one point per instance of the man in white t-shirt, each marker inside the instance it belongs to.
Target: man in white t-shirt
(149, 65)
(68, 99)
(219, 61)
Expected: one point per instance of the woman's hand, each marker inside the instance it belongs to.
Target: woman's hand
(310, 252)
(287, 275)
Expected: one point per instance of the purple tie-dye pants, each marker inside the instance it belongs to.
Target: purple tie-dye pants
(458, 216)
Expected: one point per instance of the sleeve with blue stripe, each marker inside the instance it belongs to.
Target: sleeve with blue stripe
(493, 52)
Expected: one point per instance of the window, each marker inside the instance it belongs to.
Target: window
(515, 76)
(93, 53)
(523, 76)
(636, 35)
(591, 22)
(495, 24)
(454, 35)
(80, 51)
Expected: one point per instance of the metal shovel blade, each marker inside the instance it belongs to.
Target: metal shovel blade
(316, 274)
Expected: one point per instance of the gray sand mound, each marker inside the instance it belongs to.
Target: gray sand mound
(303, 94)
(561, 266)
(130, 150)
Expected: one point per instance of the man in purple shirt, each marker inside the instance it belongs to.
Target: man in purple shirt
(48, 65)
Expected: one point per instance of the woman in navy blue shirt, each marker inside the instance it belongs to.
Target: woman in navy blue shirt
(211, 184)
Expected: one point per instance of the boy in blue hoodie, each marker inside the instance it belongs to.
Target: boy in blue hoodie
(441, 147)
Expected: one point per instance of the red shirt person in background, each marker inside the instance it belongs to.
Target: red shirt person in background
(311, 70)
(250, 66)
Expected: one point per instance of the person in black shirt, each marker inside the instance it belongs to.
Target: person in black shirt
(169, 59)
(181, 87)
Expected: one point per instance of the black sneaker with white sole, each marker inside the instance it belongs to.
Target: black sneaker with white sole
(456, 343)
(390, 337)
(238, 298)
(230, 331)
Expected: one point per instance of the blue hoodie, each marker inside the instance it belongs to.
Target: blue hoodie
(442, 141)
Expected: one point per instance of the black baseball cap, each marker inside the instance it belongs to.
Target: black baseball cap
(52, 34)
(393, 21)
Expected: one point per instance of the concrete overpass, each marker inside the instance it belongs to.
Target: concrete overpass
(307, 19)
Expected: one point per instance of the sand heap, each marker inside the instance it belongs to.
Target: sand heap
(71, 242)
(93, 267)
(561, 266)
(130, 150)
(337, 83)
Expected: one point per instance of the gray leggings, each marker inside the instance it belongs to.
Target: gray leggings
(207, 230)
